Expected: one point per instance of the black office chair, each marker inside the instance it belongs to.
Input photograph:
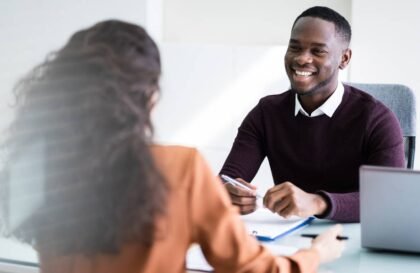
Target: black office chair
(400, 99)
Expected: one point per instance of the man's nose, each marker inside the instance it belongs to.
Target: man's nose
(303, 57)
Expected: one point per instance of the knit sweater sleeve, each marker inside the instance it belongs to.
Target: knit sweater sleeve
(247, 151)
(384, 147)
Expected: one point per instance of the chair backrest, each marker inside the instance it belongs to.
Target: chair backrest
(400, 99)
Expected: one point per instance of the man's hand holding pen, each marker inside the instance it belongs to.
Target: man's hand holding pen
(242, 194)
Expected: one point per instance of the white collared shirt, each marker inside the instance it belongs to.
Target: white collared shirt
(328, 107)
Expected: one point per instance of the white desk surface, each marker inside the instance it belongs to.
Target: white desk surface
(359, 260)
(356, 259)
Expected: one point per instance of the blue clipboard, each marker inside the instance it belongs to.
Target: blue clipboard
(299, 226)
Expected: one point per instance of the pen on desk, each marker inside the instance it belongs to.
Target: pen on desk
(238, 184)
(340, 238)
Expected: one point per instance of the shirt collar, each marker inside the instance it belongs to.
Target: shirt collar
(328, 107)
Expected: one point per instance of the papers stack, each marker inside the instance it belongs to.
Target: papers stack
(268, 226)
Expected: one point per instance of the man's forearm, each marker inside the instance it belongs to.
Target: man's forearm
(344, 207)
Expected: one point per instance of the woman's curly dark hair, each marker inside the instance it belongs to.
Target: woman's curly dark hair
(88, 108)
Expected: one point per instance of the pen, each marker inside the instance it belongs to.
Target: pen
(340, 238)
(235, 183)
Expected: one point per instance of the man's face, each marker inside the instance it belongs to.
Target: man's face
(314, 56)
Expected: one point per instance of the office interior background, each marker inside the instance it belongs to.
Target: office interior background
(219, 57)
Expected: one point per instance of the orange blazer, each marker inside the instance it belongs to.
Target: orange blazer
(198, 211)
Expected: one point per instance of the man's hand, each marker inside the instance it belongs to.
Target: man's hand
(246, 200)
(286, 199)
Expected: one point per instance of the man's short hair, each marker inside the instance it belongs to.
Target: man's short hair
(342, 26)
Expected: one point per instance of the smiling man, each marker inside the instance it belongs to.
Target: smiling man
(317, 134)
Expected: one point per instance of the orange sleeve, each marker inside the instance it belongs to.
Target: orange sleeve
(222, 236)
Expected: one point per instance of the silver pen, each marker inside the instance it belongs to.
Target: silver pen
(236, 183)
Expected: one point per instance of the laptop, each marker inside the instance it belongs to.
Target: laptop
(390, 208)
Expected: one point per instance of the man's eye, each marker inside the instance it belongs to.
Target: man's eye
(293, 48)
(319, 52)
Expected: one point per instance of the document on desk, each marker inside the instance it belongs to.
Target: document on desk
(197, 261)
(268, 226)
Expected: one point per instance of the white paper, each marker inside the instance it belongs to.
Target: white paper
(265, 224)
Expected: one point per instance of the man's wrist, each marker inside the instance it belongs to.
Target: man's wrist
(327, 201)
(321, 204)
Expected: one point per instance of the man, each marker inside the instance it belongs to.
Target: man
(317, 134)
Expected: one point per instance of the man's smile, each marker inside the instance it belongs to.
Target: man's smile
(303, 73)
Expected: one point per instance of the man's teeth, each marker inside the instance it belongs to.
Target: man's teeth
(303, 73)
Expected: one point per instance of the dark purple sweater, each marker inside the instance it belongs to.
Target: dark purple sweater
(318, 154)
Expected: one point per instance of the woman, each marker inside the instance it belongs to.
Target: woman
(88, 189)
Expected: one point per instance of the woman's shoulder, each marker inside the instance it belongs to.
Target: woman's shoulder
(175, 162)
(160, 151)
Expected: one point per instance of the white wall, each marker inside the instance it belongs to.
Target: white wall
(31, 29)
(237, 22)
(386, 45)
(212, 88)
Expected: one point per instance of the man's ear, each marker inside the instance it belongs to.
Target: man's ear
(345, 58)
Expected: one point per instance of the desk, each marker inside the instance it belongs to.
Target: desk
(356, 259)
